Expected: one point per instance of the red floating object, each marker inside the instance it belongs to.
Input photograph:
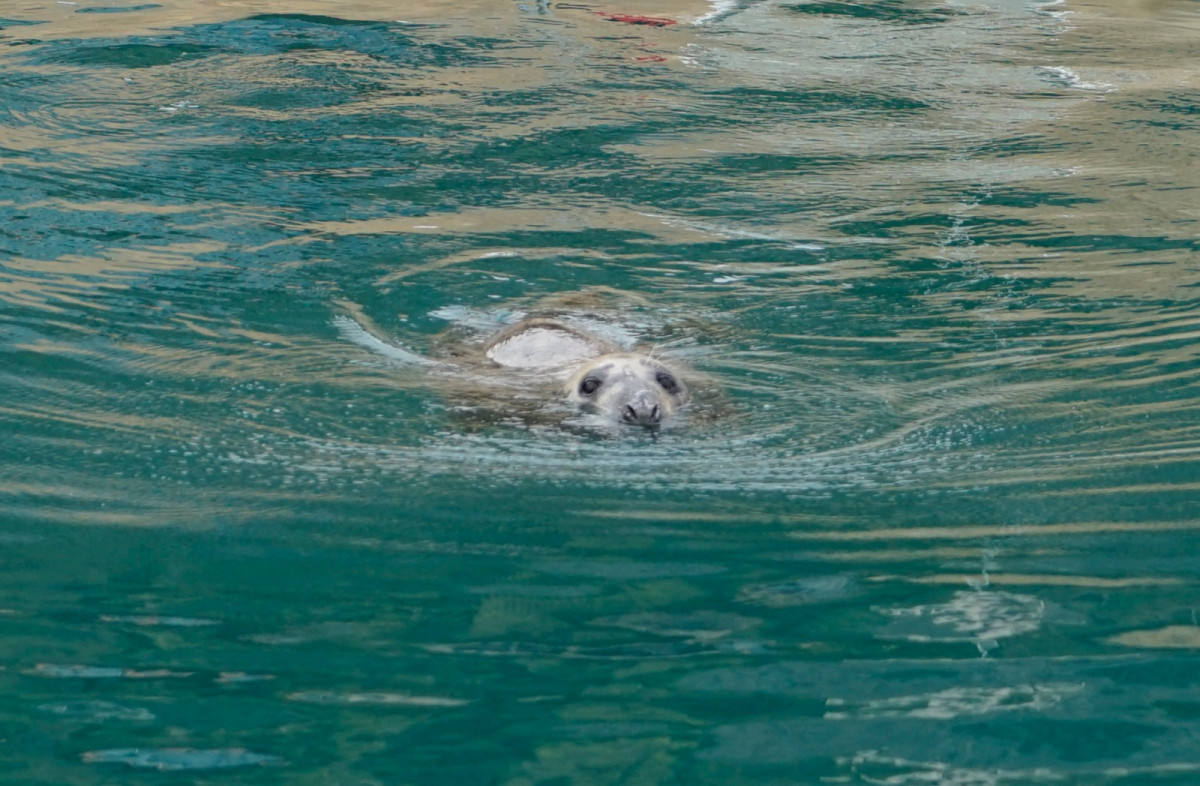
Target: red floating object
(636, 19)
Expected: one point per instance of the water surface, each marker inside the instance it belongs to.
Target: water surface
(936, 263)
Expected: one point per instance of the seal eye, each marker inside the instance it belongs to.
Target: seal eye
(589, 385)
(667, 381)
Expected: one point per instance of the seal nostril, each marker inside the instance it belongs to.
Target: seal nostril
(629, 414)
(655, 415)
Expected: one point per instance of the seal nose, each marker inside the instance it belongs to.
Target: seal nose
(643, 412)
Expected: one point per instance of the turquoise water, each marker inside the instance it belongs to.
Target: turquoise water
(932, 520)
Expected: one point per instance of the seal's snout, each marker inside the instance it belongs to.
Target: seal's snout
(642, 409)
(646, 417)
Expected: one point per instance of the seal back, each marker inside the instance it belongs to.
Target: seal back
(544, 345)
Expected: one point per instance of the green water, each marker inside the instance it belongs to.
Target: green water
(934, 519)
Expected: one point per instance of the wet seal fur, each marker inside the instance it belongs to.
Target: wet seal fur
(589, 372)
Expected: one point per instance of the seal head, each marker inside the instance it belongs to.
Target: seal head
(628, 387)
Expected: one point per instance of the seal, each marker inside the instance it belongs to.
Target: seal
(629, 387)
(587, 371)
